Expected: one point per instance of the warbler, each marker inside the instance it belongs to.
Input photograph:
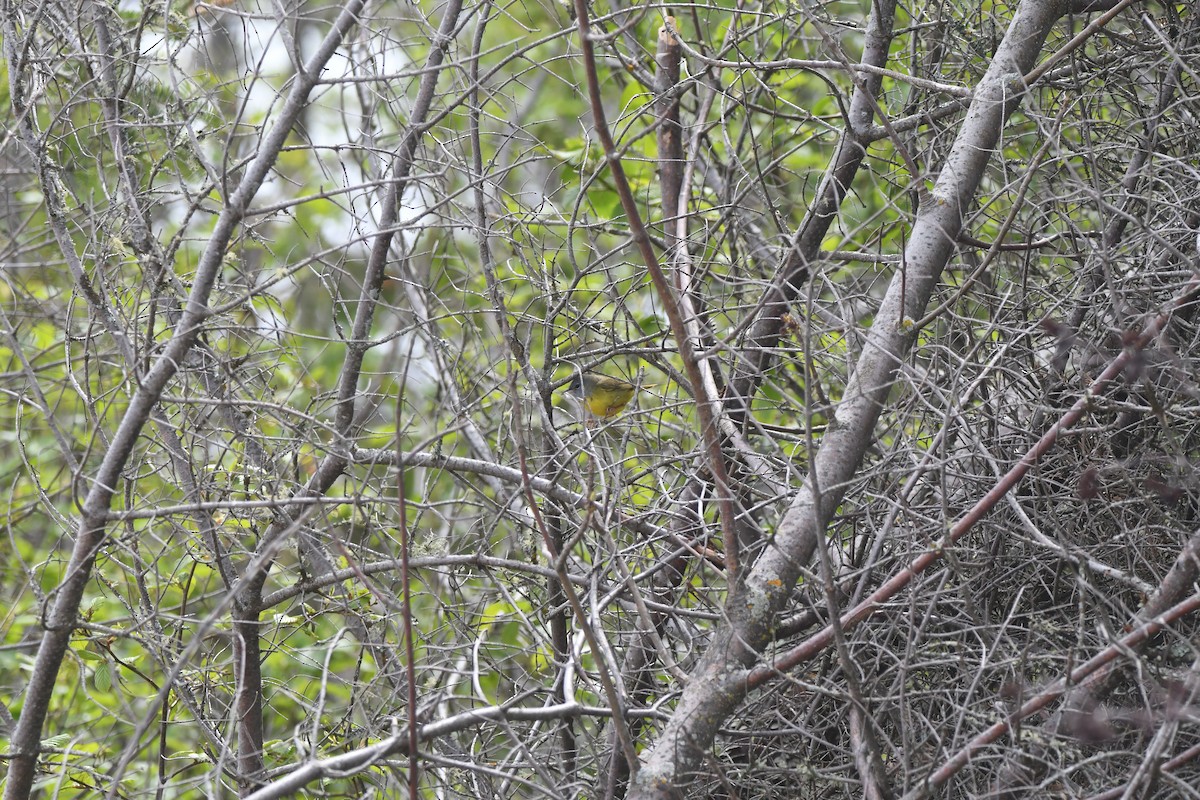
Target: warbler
(603, 396)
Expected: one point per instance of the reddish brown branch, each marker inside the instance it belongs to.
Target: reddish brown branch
(1056, 690)
(818, 642)
(705, 405)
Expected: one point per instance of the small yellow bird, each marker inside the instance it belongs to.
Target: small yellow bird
(603, 396)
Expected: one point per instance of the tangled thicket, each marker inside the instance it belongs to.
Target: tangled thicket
(289, 293)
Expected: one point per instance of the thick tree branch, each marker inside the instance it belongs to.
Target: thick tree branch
(92, 520)
(717, 684)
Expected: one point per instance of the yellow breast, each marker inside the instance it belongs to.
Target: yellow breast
(605, 402)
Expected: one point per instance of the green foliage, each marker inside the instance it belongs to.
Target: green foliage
(262, 486)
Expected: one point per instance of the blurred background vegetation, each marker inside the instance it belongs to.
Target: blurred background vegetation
(130, 126)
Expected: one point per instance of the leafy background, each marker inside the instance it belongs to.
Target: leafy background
(129, 128)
